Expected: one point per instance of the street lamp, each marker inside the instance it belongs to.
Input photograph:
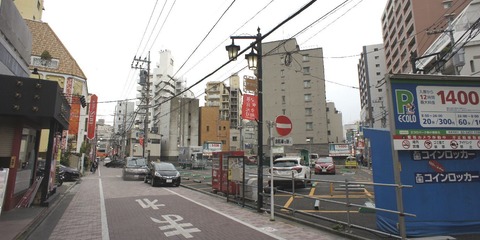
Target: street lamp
(254, 63)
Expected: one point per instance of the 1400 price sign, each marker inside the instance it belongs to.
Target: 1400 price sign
(460, 97)
(447, 106)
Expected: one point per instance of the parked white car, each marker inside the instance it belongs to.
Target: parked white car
(106, 160)
(284, 167)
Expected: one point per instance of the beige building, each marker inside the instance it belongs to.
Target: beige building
(218, 95)
(30, 9)
(53, 62)
(294, 85)
(407, 27)
(335, 125)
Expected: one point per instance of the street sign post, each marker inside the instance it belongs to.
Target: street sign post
(283, 125)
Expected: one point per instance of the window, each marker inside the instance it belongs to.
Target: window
(308, 111)
(309, 126)
(329, 133)
(378, 73)
(234, 138)
(380, 90)
(376, 57)
(306, 57)
(208, 128)
(307, 84)
(308, 97)
(472, 66)
(282, 73)
(283, 100)
(306, 70)
(284, 112)
(377, 65)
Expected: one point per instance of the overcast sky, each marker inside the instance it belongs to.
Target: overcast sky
(104, 36)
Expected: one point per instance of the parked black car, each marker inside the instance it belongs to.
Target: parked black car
(135, 168)
(117, 163)
(69, 174)
(163, 173)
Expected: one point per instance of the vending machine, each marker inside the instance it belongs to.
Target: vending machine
(227, 171)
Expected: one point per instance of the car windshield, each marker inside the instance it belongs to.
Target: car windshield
(324, 160)
(288, 163)
(165, 167)
(136, 162)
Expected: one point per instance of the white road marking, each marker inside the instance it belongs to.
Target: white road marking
(227, 216)
(179, 228)
(147, 203)
(103, 212)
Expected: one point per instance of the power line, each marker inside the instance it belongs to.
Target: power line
(205, 37)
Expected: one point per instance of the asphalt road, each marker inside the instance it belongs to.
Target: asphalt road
(104, 206)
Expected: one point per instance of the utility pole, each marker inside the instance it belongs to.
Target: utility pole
(145, 82)
(384, 115)
(124, 131)
(449, 30)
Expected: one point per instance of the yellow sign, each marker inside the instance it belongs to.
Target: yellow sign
(13, 159)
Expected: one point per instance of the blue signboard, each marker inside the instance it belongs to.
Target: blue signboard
(435, 135)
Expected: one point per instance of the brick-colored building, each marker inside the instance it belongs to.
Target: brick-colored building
(212, 128)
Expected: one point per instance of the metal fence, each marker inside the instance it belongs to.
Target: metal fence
(341, 210)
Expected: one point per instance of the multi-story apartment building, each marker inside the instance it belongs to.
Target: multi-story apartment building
(406, 26)
(294, 85)
(461, 59)
(124, 119)
(123, 122)
(104, 134)
(173, 111)
(335, 125)
(218, 95)
(371, 80)
(228, 99)
(235, 101)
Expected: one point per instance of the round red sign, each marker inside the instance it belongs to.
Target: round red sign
(283, 125)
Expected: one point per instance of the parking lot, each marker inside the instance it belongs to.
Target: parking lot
(326, 202)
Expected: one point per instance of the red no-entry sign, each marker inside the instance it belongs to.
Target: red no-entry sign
(283, 125)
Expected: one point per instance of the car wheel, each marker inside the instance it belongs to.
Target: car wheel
(152, 181)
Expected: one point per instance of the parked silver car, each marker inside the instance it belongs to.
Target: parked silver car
(135, 168)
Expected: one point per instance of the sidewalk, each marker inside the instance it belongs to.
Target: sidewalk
(16, 223)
